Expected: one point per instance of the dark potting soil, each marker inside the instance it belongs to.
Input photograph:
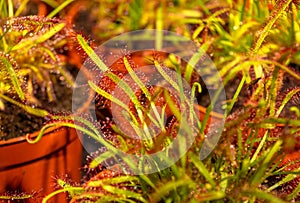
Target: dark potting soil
(15, 122)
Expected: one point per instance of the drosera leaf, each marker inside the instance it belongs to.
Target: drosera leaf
(192, 63)
(136, 78)
(106, 95)
(92, 131)
(2, 105)
(50, 91)
(102, 66)
(283, 67)
(101, 158)
(13, 76)
(285, 180)
(176, 112)
(296, 110)
(68, 122)
(165, 75)
(274, 87)
(10, 8)
(159, 118)
(295, 193)
(210, 196)
(29, 109)
(193, 113)
(51, 3)
(142, 87)
(126, 88)
(210, 108)
(126, 193)
(277, 12)
(159, 28)
(50, 53)
(111, 98)
(15, 197)
(263, 196)
(59, 8)
(67, 76)
(170, 186)
(91, 53)
(147, 180)
(3, 40)
(29, 42)
(284, 121)
(198, 30)
(235, 96)
(66, 185)
(201, 168)
(123, 145)
(260, 173)
(180, 84)
(68, 189)
(22, 6)
(112, 181)
(286, 100)
(260, 146)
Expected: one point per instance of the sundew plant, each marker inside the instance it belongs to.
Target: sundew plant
(255, 47)
(30, 53)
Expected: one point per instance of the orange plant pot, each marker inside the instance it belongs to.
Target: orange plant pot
(34, 168)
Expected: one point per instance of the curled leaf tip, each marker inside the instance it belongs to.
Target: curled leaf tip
(29, 138)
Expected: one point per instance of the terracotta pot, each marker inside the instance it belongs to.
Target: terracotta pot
(34, 168)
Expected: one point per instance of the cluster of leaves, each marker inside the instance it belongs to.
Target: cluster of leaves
(110, 185)
(25, 41)
(30, 51)
(257, 159)
(243, 168)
